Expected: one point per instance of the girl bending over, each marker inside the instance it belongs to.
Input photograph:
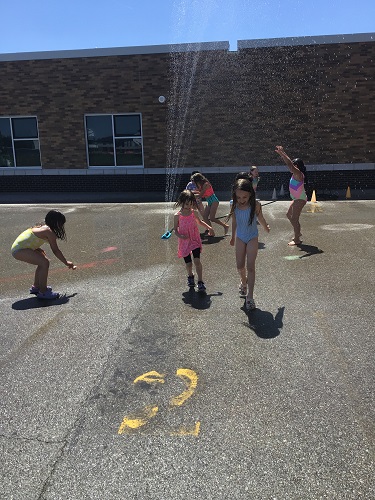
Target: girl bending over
(27, 248)
(206, 191)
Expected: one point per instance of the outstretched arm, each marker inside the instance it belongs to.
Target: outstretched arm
(211, 232)
(292, 168)
(52, 240)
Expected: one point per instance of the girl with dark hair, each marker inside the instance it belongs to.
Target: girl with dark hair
(192, 187)
(245, 211)
(27, 248)
(189, 239)
(206, 191)
(254, 173)
(297, 192)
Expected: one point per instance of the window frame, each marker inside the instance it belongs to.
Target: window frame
(114, 137)
(10, 118)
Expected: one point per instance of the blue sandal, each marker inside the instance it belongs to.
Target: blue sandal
(35, 290)
(48, 295)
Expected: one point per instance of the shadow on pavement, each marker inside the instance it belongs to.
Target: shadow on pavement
(309, 250)
(209, 240)
(34, 303)
(199, 300)
(263, 324)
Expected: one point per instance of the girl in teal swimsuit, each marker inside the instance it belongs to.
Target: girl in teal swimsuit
(297, 193)
(206, 191)
(27, 248)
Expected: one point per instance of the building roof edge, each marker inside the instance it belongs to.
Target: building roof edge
(305, 40)
(115, 51)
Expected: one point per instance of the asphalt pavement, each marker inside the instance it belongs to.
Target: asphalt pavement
(130, 386)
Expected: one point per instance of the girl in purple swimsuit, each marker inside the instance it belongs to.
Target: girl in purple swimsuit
(297, 193)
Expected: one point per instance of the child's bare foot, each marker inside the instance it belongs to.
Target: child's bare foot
(226, 229)
(294, 242)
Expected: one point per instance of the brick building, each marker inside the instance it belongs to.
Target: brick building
(126, 119)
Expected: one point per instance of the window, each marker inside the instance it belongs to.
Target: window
(114, 140)
(19, 142)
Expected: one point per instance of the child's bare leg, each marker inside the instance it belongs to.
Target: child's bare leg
(213, 210)
(251, 252)
(293, 215)
(200, 208)
(198, 268)
(240, 261)
(189, 268)
(38, 259)
(206, 215)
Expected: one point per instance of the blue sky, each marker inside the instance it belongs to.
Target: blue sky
(39, 25)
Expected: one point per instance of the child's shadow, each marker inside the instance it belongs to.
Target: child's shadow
(209, 240)
(199, 300)
(309, 250)
(263, 324)
(34, 303)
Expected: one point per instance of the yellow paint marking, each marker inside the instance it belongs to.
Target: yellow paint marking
(134, 423)
(183, 431)
(150, 378)
(191, 379)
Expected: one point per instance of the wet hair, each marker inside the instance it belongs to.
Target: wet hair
(185, 196)
(199, 179)
(253, 168)
(298, 162)
(244, 185)
(55, 220)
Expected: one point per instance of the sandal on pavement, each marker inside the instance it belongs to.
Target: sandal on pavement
(242, 289)
(250, 304)
(294, 243)
(35, 289)
(48, 295)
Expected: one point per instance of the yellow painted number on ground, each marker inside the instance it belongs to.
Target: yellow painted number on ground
(133, 422)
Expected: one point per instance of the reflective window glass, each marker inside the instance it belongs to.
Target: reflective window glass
(27, 153)
(6, 150)
(24, 128)
(129, 152)
(114, 140)
(100, 140)
(127, 125)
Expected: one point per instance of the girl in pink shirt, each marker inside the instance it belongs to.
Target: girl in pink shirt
(189, 239)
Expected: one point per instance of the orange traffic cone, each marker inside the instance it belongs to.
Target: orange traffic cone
(314, 205)
(348, 194)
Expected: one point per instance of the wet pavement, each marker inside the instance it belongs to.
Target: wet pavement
(131, 386)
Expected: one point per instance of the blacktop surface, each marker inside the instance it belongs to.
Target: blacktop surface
(130, 386)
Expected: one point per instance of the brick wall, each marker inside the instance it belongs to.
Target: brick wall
(223, 108)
